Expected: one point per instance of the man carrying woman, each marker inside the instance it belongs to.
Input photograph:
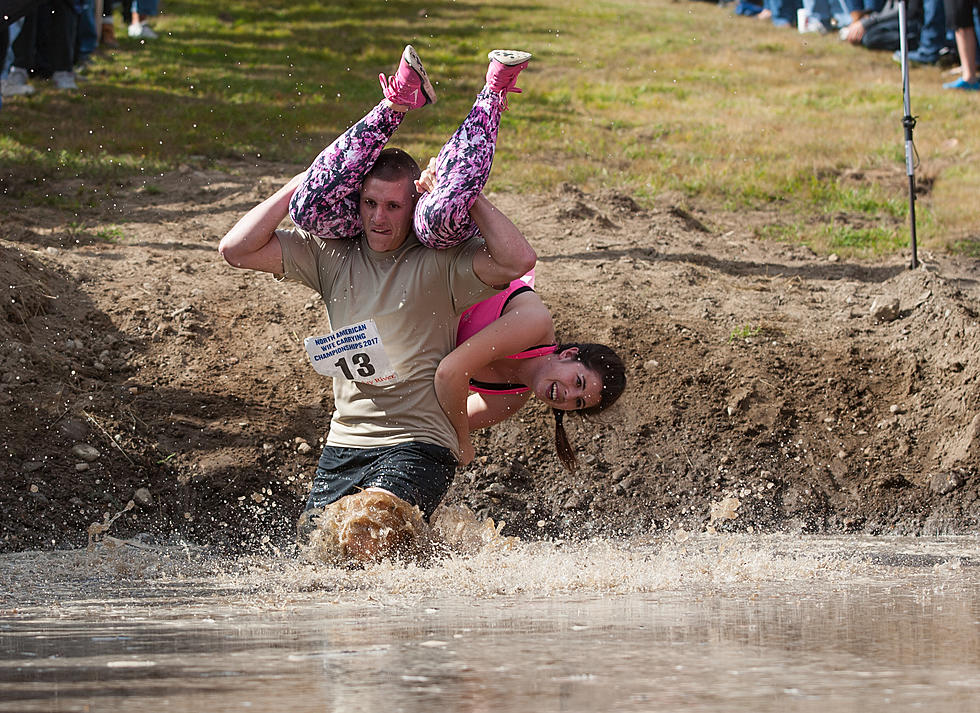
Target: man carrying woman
(364, 242)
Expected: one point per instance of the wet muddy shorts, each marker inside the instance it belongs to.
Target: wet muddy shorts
(419, 473)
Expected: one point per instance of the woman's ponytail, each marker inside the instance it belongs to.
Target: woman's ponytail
(565, 453)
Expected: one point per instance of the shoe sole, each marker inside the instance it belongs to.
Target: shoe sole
(509, 58)
(411, 58)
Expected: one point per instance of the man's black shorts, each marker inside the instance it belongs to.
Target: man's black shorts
(419, 473)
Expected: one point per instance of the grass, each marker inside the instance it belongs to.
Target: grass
(742, 332)
(111, 234)
(639, 96)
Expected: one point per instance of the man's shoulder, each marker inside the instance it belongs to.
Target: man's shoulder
(417, 251)
(317, 244)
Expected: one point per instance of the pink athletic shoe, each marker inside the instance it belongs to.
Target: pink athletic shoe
(410, 85)
(505, 65)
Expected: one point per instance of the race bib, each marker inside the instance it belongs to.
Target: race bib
(354, 353)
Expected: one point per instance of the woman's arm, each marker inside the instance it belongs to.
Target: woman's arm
(526, 323)
(485, 410)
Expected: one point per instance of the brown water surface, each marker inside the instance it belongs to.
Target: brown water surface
(674, 623)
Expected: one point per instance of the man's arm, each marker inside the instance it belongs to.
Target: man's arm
(252, 244)
(507, 255)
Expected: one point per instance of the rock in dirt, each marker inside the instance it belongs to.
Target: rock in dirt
(143, 497)
(75, 429)
(86, 452)
(885, 309)
(943, 483)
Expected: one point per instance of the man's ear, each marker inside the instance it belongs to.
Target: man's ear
(570, 353)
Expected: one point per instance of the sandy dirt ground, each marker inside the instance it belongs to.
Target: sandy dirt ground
(769, 388)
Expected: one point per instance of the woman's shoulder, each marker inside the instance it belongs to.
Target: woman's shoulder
(531, 308)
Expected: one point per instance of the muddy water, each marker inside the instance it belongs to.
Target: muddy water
(675, 623)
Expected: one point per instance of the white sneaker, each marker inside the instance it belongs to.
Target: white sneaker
(64, 80)
(813, 25)
(16, 83)
(142, 31)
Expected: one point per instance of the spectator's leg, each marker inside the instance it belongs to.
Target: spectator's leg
(932, 36)
(25, 44)
(107, 32)
(57, 24)
(7, 58)
(87, 37)
(966, 45)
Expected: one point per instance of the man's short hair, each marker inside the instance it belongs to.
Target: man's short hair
(394, 165)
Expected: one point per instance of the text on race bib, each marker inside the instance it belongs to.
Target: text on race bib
(354, 353)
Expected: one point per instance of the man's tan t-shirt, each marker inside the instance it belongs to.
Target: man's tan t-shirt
(415, 295)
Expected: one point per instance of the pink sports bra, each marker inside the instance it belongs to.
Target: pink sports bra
(482, 314)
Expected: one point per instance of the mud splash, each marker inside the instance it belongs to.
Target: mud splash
(374, 525)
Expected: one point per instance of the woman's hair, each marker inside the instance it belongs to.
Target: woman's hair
(611, 370)
(394, 165)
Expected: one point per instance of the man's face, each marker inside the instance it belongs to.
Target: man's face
(387, 209)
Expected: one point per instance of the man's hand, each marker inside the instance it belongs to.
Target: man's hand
(427, 181)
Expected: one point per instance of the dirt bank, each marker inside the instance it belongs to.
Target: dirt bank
(770, 388)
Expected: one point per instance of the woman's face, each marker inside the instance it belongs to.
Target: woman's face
(567, 384)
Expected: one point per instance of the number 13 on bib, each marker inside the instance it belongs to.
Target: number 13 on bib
(354, 352)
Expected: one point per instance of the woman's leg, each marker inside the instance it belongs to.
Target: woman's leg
(442, 216)
(326, 202)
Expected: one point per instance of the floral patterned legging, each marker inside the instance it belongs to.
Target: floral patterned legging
(326, 202)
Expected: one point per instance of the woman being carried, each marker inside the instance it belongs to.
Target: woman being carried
(477, 387)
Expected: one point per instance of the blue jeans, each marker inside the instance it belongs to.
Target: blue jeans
(863, 5)
(932, 36)
(88, 37)
(783, 12)
(827, 10)
(143, 7)
(146, 7)
(8, 56)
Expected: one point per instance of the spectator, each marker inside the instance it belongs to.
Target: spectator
(959, 17)
(11, 22)
(135, 14)
(881, 31)
(87, 37)
(782, 13)
(141, 11)
(933, 45)
(46, 45)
